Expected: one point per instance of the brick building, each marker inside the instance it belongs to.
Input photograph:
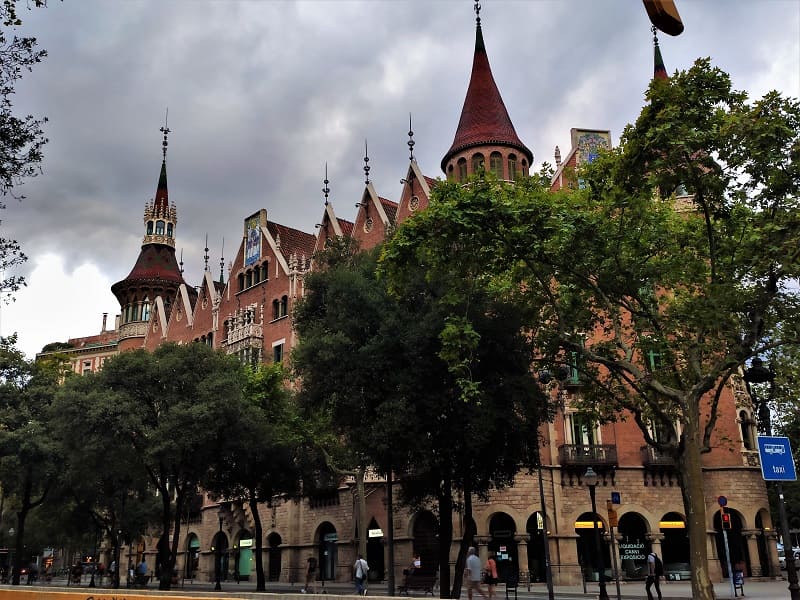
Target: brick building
(249, 315)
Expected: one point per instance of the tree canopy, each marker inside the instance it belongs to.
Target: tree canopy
(668, 265)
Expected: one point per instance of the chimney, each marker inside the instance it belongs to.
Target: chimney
(105, 318)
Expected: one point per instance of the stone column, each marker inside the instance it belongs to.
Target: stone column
(655, 540)
(752, 549)
(714, 560)
(771, 537)
(522, 554)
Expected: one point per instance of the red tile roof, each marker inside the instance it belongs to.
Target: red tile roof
(293, 241)
(390, 208)
(156, 264)
(346, 226)
(484, 118)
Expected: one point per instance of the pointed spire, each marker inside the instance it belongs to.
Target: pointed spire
(180, 264)
(410, 141)
(326, 190)
(558, 156)
(366, 163)
(659, 70)
(205, 256)
(161, 201)
(484, 118)
(222, 263)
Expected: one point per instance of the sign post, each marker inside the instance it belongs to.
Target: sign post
(777, 464)
(723, 502)
(613, 521)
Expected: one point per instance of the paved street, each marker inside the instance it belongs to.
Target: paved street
(630, 591)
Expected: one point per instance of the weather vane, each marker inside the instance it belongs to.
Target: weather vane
(410, 138)
(326, 190)
(366, 163)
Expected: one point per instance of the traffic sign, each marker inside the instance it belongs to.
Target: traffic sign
(722, 500)
(615, 498)
(777, 463)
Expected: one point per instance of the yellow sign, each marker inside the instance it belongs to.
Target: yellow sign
(578, 525)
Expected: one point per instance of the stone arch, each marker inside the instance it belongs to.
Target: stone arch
(375, 558)
(192, 556)
(274, 542)
(424, 531)
(219, 550)
(674, 541)
(326, 539)
(587, 545)
(502, 531)
(243, 557)
(737, 543)
(633, 544)
(536, 527)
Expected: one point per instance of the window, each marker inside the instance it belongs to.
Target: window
(462, 169)
(277, 352)
(146, 309)
(159, 227)
(169, 229)
(284, 306)
(450, 172)
(747, 426)
(149, 228)
(248, 279)
(264, 271)
(512, 167)
(496, 164)
(210, 340)
(87, 367)
(241, 281)
(582, 431)
(276, 310)
(477, 163)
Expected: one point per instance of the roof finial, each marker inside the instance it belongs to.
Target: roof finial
(205, 256)
(410, 139)
(165, 131)
(558, 156)
(478, 13)
(181, 263)
(222, 263)
(326, 190)
(659, 70)
(366, 163)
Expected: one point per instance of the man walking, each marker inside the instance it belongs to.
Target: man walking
(472, 573)
(360, 571)
(655, 569)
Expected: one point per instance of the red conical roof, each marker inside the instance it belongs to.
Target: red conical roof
(484, 118)
(161, 201)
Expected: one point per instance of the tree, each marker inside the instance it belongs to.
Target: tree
(106, 482)
(172, 409)
(259, 464)
(414, 391)
(28, 456)
(21, 138)
(657, 300)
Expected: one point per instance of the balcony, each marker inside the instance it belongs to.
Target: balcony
(588, 455)
(653, 457)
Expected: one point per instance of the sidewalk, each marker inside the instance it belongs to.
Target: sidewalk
(673, 590)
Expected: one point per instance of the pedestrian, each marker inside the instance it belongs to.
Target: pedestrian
(311, 576)
(655, 570)
(141, 573)
(472, 573)
(491, 574)
(360, 572)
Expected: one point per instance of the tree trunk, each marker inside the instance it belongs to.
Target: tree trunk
(445, 536)
(690, 470)
(19, 546)
(261, 585)
(163, 542)
(362, 512)
(470, 530)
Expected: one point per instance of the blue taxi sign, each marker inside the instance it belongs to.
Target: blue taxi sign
(777, 463)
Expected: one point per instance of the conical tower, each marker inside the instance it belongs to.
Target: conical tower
(659, 70)
(156, 272)
(485, 138)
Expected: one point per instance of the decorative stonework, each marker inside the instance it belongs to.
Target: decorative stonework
(413, 204)
(134, 329)
(368, 225)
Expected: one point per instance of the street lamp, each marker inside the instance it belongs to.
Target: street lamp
(590, 479)
(218, 586)
(758, 373)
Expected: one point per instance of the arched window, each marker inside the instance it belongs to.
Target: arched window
(524, 166)
(276, 309)
(159, 227)
(284, 306)
(149, 228)
(249, 279)
(746, 425)
(146, 309)
(264, 271)
(512, 167)
(169, 229)
(496, 164)
(462, 169)
(477, 163)
(210, 339)
(241, 281)
(450, 171)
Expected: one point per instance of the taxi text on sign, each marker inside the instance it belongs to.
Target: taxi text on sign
(777, 463)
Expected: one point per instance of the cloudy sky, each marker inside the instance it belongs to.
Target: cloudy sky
(262, 93)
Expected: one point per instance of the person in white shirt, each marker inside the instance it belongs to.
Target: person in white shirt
(360, 571)
(472, 573)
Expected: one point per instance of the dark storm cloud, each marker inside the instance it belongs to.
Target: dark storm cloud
(262, 94)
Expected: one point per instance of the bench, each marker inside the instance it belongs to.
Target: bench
(423, 583)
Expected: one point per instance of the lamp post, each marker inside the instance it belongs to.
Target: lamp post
(758, 373)
(590, 479)
(218, 586)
